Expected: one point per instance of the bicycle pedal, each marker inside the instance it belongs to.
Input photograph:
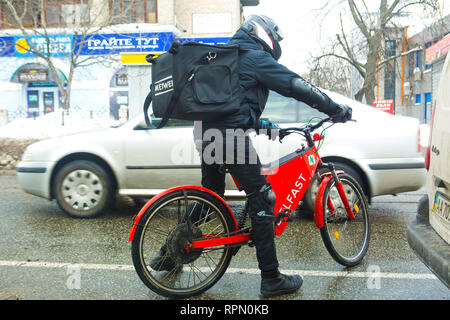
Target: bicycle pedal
(286, 219)
(283, 216)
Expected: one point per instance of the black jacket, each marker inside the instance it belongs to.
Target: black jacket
(258, 73)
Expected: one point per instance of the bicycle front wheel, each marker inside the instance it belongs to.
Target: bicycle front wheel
(159, 246)
(347, 240)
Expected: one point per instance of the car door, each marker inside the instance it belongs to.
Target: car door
(439, 171)
(157, 159)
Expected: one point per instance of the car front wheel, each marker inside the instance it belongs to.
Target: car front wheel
(83, 189)
(309, 198)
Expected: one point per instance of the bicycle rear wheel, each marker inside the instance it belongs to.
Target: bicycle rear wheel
(163, 229)
(347, 240)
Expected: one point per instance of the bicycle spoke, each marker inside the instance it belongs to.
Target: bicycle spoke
(206, 257)
(346, 239)
(166, 228)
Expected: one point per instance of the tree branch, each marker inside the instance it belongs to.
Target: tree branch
(358, 19)
(356, 64)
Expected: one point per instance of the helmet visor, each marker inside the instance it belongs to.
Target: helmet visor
(276, 31)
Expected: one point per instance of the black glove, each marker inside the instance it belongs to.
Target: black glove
(343, 114)
(270, 129)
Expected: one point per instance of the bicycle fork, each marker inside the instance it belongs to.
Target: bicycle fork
(342, 194)
(324, 179)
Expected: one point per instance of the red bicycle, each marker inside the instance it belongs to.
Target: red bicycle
(202, 248)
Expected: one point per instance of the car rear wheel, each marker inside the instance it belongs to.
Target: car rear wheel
(309, 198)
(83, 189)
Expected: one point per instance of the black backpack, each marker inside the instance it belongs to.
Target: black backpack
(194, 81)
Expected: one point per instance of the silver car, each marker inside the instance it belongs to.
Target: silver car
(85, 171)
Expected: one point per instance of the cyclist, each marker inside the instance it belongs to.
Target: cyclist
(258, 39)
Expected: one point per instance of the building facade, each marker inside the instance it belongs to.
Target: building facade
(407, 78)
(108, 38)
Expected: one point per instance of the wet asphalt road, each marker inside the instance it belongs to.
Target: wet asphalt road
(41, 249)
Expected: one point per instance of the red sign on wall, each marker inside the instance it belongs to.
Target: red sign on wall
(384, 105)
(438, 49)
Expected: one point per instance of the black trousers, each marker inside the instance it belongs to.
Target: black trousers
(245, 166)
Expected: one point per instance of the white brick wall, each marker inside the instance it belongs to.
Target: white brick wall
(185, 9)
(166, 11)
(180, 13)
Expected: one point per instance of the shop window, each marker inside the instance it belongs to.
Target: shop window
(118, 94)
(131, 11)
(66, 13)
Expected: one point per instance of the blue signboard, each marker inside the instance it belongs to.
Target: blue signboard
(205, 40)
(98, 44)
(6, 46)
(124, 42)
(52, 45)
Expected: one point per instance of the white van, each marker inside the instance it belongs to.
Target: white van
(429, 235)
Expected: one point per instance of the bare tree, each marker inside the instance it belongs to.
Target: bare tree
(332, 74)
(78, 22)
(367, 56)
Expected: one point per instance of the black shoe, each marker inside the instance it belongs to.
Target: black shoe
(281, 284)
(162, 261)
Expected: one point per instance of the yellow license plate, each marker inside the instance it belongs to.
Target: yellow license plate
(441, 206)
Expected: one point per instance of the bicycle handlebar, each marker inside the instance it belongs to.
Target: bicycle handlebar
(306, 129)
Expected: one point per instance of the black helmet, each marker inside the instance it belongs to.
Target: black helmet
(266, 31)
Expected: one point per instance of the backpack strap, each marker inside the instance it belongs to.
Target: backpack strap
(151, 58)
(174, 48)
(174, 100)
(147, 102)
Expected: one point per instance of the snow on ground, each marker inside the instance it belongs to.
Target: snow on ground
(51, 125)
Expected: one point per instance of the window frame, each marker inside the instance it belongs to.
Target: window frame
(418, 99)
(133, 11)
(4, 14)
(59, 4)
(418, 59)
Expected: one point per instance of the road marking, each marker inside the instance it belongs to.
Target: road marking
(39, 264)
(306, 273)
(351, 274)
